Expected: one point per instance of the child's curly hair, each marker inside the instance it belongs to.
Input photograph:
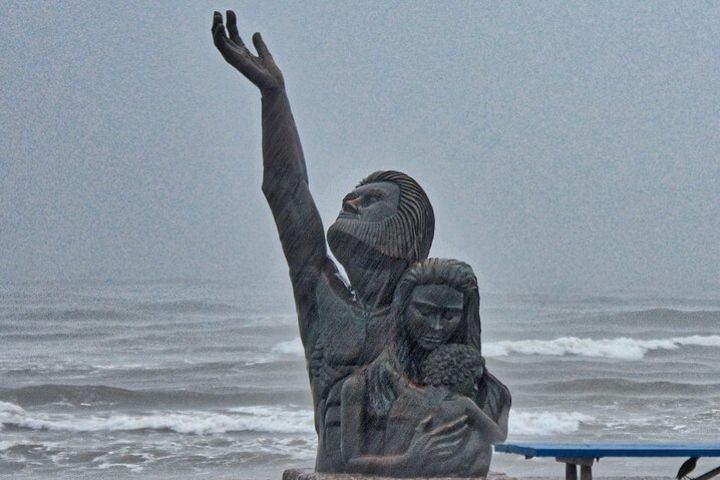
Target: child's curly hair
(454, 366)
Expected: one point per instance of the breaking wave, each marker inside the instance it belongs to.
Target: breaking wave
(622, 348)
(546, 423)
(103, 397)
(290, 347)
(266, 419)
(240, 419)
(625, 388)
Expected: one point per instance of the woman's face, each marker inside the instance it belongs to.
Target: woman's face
(433, 314)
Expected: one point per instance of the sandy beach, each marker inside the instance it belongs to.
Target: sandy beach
(308, 474)
(561, 476)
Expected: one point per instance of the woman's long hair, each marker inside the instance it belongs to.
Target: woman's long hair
(405, 355)
(435, 271)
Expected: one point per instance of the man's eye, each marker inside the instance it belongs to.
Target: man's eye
(369, 199)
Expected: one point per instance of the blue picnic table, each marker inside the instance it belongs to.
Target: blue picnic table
(585, 454)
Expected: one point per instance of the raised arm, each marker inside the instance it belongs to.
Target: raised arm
(285, 181)
(282, 151)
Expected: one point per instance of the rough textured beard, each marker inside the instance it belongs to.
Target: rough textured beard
(347, 237)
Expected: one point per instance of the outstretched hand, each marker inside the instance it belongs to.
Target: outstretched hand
(261, 69)
(440, 443)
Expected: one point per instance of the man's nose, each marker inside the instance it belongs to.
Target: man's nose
(436, 324)
(351, 205)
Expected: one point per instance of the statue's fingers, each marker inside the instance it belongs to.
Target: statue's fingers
(451, 439)
(422, 426)
(441, 457)
(260, 46)
(441, 454)
(444, 451)
(236, 56)
(458, 435)
(217, 22)
(459, 423)
(233, 54)
(232, 28)
(219, 34)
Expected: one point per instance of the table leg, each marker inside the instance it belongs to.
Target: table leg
(571, 464)
(570, 471)
(586, 472)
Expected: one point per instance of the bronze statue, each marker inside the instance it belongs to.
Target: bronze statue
(385, 225)
(431, 378)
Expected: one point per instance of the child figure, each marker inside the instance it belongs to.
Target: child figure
(457, 367)
(426, 406)
(451, 374)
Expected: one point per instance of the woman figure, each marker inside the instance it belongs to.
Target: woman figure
(396, 420)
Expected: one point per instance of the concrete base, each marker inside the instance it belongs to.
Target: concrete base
(309, 474)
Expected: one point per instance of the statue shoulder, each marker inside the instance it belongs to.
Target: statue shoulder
(383, 369)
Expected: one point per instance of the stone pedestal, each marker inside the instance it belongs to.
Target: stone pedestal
(309, 474)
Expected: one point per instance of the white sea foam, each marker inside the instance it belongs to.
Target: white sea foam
(10, 408)
(280, 351)
(257, 418)
(290, 347)
(5, 445)
(546, 423)
(622, 348)
(296, 448)
(243, 419)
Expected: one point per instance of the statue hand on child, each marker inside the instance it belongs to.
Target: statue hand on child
(432, 445)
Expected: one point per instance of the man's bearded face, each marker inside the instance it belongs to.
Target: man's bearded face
(368, 222)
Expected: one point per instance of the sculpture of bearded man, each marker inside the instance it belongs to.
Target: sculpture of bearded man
(386, 223)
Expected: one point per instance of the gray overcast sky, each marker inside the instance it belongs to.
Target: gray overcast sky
(563, 144)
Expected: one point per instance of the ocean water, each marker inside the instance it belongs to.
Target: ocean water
(207, 379)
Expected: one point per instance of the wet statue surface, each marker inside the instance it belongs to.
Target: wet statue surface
(398, 381)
